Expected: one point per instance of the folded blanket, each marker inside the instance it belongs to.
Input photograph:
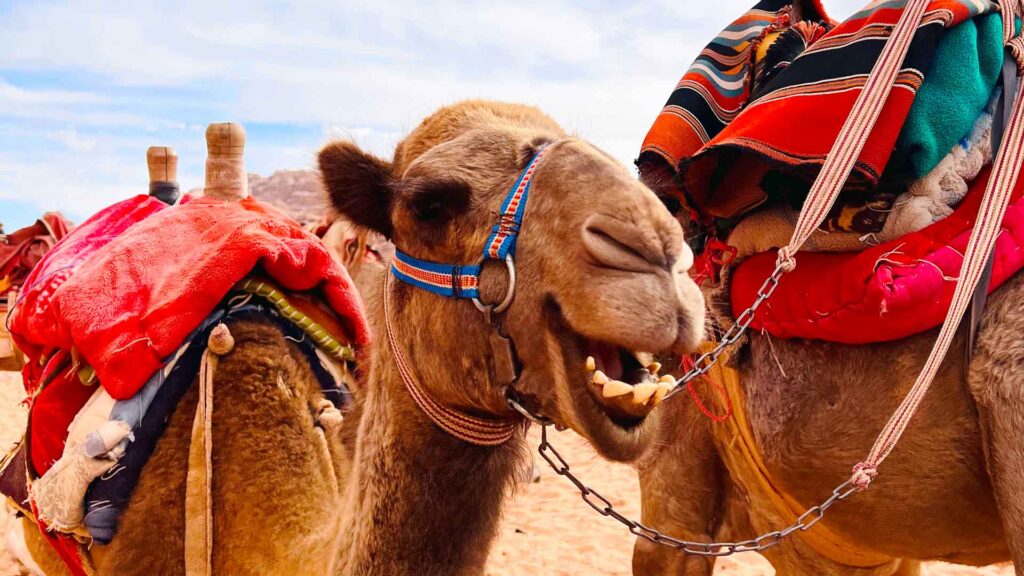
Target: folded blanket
(926, 201)
(771, 228)
(127, 287)
(933, 197)
(967, 64)
(717, 86)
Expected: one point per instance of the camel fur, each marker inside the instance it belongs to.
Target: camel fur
(950, 491)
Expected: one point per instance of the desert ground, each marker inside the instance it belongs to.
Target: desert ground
(547, 529)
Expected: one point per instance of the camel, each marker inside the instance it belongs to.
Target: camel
(950, 491)
(601, 279)
(280, 457)
(354, 247)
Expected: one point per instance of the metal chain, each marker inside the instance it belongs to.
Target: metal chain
(604, 507)
(701, 366)
(732, 335)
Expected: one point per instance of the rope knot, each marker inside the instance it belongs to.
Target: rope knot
(220, 341)
(785, 260)
(863, 474)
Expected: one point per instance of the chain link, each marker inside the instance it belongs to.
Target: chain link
(604, 507)
(704, 363)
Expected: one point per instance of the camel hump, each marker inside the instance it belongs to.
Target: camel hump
(225, 161)
(162, 162)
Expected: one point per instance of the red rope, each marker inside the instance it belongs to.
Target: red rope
(687, 364)
(709, 263)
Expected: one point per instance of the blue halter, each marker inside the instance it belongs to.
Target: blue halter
(463, 280)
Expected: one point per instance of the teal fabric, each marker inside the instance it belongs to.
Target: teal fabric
(955, 91)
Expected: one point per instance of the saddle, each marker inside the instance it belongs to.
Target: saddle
(19, 252)
(921, 92)
(751, 123)
(120, 318)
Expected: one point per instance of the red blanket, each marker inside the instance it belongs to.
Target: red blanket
(887, 292)
(126, 287)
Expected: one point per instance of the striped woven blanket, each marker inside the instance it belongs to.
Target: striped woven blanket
(749, 126)
(763, 103)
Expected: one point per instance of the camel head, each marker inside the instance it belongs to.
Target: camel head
(601, 268)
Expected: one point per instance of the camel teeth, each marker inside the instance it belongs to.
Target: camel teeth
(654, 367)
(659, 394)
(644, 358)
(600, 378)
(591, 363)
(667, 379)
(616, 388)
(643, 392)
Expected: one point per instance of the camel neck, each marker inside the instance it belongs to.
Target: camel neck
(420, 501)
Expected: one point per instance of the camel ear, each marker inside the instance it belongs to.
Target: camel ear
(359, 185)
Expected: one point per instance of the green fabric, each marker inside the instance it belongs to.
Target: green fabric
(955, 91)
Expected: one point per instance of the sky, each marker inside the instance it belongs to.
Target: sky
(87, 86)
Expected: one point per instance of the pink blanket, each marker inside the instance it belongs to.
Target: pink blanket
(887, 292)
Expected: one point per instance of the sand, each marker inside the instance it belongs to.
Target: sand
(547, 530)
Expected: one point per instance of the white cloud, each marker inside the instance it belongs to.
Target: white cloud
(104, 80)
(73, 141)
(14, 96)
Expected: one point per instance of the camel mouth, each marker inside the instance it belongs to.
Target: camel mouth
(626, 385)
(610, 390)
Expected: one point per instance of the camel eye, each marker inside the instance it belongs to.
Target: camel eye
(436, 201)
(529, 150)
(428, 207)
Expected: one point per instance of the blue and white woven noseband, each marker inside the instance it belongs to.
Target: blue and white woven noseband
(463, 280)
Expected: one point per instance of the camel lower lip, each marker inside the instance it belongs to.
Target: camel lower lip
(615, 431)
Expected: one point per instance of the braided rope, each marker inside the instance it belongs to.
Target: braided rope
(321, 336)
(1005, 171)
(855, 131)
(837, 167)
(466, 427)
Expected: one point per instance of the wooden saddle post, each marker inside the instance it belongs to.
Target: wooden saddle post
(225, 162)
(162, 162)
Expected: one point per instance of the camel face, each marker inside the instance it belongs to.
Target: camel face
(600, 266)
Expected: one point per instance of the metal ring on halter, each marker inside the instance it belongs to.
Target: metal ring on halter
(504, 304)
(513, 401)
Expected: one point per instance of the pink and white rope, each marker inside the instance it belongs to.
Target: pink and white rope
(855, 131)
(1005, 171)
(836, 170)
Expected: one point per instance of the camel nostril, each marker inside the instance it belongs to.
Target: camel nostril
(623, 245)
